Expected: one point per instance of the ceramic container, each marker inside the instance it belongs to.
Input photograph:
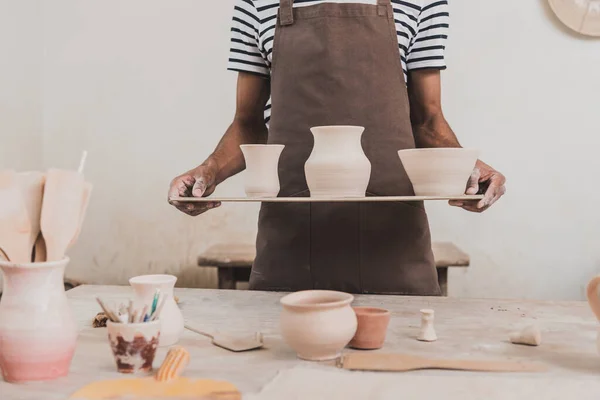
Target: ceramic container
(372, 328)
(134, 345)
(439, 171)
(38, 332)
(170, 317)
(262, 169)
(337, 166)
(318, 324)
(593, 297)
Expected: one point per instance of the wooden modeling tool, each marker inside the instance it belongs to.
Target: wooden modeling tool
(87, 192)
(15, 226)
(61, 211)
(402, 363)
(40, 249)
(32, 190)
(167, 384)
(235, 344)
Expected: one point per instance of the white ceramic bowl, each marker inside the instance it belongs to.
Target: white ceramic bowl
(318, 324)
(439, 171)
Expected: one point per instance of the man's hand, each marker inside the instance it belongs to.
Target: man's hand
(484, 180)
(199, 182)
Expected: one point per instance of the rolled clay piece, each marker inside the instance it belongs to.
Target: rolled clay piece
(175, 362)
(427, 333)
(530, 335)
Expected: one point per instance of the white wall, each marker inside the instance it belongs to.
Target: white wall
(142, 85)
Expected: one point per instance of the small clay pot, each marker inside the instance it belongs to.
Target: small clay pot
(134, 345)
(372, 327)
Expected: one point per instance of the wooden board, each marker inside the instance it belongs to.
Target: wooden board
(373, 199)
(467, 329)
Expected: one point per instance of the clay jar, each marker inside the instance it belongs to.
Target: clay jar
(38, 332)
(134, 345)
(594, 299)
(318, 324)
(262, 174)
(337, 166)
(439, 171)
(372, 328)
(170, 317)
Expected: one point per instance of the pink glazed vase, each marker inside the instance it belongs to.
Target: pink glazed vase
(38, 332)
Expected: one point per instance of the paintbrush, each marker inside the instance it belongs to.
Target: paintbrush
(107, 311)
(154, 302)
(159, 309)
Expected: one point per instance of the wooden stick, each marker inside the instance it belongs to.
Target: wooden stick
(130, 311)
(107, 311)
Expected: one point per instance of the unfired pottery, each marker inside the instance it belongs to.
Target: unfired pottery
(262, 173)
(582, 16)
(427, 331)
(134, 345)
(372, 328)
(439, 172)
(171, 318)
(38, 332)
(318, 324)
(337, 165)
(594, 299)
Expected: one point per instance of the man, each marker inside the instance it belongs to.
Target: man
(373, 63)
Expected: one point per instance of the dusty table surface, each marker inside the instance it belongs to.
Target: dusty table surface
(467, 328)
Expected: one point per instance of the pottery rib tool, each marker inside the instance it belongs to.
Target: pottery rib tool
(15, 226)
(402, 363)
(166, 384)
(235, 344)
(32, 190)
(61, 210)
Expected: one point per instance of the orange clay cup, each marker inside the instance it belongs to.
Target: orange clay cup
(372, 328)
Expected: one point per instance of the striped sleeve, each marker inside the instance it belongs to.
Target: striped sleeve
(429, 44)
(244, 54)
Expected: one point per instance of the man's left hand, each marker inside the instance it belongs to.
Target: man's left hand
(484, 180)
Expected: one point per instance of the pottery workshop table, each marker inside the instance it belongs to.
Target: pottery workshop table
(476, 329)
(234, 262)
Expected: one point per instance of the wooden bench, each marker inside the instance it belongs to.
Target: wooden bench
(234, 262)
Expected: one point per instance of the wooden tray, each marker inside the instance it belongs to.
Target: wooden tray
(321, 199)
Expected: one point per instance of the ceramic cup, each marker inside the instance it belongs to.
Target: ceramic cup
(439, 171)
(372, 328)
(134, 345)
(171, 319)
(262, 169)
(317, 324)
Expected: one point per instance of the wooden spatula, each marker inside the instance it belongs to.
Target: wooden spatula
(402, 363)
(87, 192)
(166, 384)
(230, 342)
(40, 250)
(14, 222)
(32, 190)
(61, 210)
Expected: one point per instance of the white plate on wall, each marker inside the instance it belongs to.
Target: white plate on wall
(582, 16)
(381, 199)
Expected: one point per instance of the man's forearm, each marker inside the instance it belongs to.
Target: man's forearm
(434, 132)
(227, 159)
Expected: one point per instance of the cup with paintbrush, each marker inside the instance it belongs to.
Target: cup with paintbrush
(133, 335)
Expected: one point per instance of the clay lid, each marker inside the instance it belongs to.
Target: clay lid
(582, 16)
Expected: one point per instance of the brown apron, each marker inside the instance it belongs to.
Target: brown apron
(339, 64)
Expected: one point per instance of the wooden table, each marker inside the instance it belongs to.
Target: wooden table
(466, 329)
(234, 262)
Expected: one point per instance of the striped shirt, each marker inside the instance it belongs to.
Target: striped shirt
(421, 25)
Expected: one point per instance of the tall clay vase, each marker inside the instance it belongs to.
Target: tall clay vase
(170, 317)
(594, 299)
(38, 332)
(337, 166)
(262, 169)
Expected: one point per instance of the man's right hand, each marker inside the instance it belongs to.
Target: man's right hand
(199, 182)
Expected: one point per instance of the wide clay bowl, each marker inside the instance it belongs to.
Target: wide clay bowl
(440, 171)
(372, 328)
(318, 324)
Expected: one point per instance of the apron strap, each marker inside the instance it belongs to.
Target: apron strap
(286, 12)
(382, 7)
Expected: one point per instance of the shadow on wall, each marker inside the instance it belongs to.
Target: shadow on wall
(558, 24)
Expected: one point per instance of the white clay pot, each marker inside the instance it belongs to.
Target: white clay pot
(318, 324)
(262, 169)
(337, 166)
(439, 171)
(594, 299)
(38, 332)
(171, 319)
